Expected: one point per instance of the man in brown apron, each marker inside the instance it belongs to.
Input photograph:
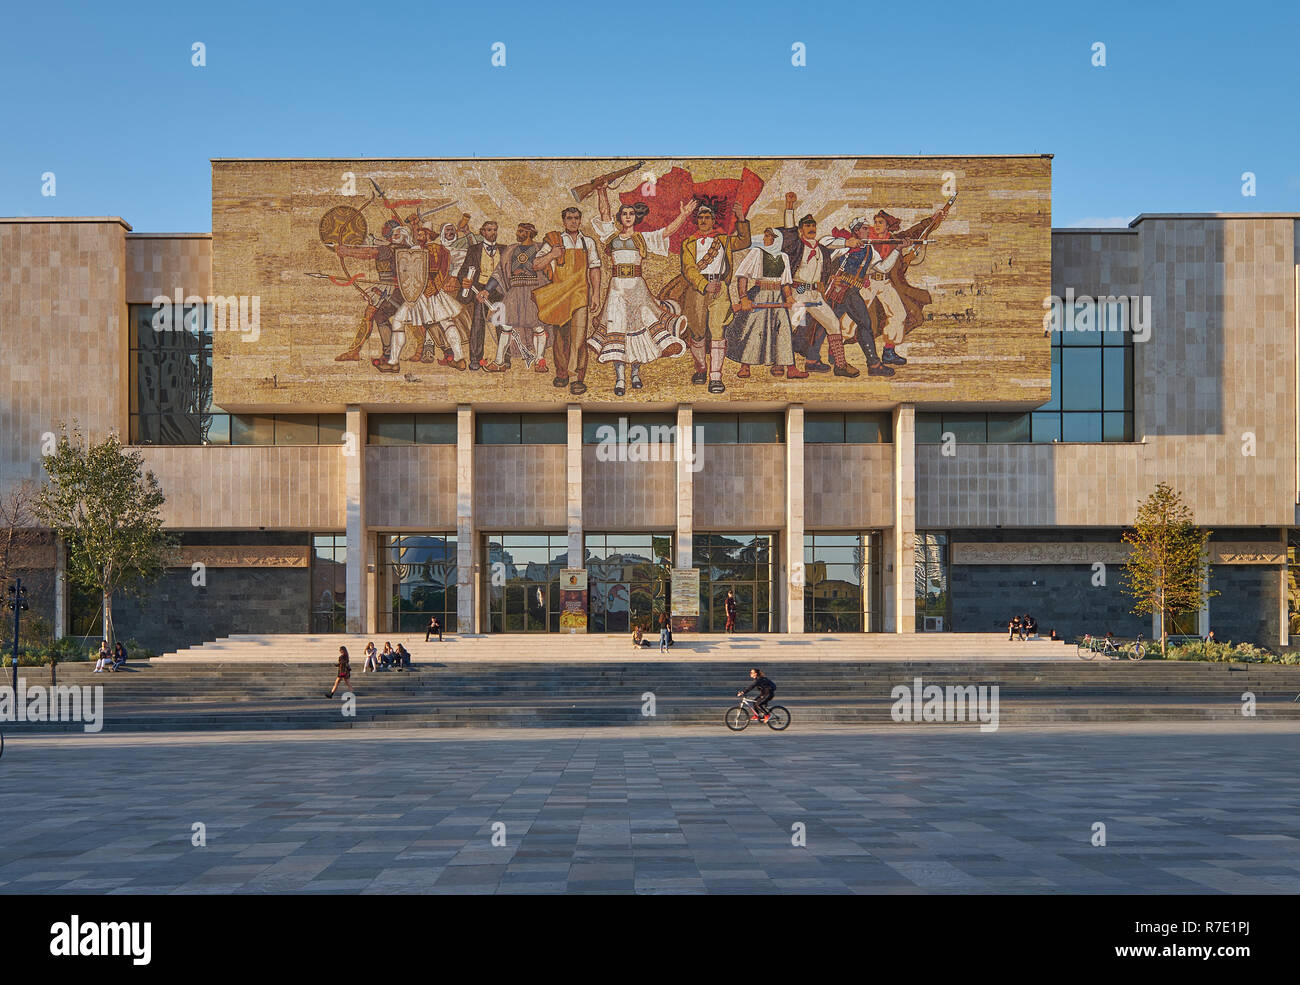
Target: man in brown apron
(573, 262)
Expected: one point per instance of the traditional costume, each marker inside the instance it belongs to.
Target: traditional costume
(637, 326)
(761, 337)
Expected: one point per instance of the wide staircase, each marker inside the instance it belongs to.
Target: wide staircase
(594, 681)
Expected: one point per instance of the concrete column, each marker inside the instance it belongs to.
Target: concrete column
(1283, 612)
(573, 485)
(354, 470)
(902, 544)
(61, 589)
(793, 551)
(685, 486)
(372, 581)
(467, 610)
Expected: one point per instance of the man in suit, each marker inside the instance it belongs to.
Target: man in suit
(812, 263)
(480, 292)
(707, 267)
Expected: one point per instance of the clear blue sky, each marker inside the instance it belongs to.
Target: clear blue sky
(1192, 95)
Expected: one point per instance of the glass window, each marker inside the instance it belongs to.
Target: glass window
(1117, 427)
(1117, 379)
(1055, 402)
(933, 603)
(1086, 327)
(1080, 427)
(544, 429)
(967, 428)
(1116, 320)
(435, 429)
(1092, 370)
(328, 575)
(718, 429)
(169, 376)
(390, 429)
(743, 563)
(417, 576)
(660, 427)
(868, 429)
(331, 428)
(248, 429)
(1081, 379)
(529, 565)
(1008, 428)
(757, 429)
(1046, 427)
(823, 428)
(498, 429)
(295, 429)
(219, 432)
(929, 429)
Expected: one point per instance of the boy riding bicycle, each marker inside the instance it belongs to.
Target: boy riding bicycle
(766, 689)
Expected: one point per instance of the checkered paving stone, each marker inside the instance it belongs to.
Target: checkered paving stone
(1187, 809)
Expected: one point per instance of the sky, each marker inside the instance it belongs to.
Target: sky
(106, 98)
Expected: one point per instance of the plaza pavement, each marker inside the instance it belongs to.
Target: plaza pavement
(908, 809)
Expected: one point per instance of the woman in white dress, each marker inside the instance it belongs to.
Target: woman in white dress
(636, 324)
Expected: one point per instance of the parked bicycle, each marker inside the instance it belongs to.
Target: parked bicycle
(1108, 648)
(739, 717)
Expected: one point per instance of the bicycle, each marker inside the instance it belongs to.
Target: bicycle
(738, 718)
(1090, 646)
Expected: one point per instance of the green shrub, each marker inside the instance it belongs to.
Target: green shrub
(1225, 653)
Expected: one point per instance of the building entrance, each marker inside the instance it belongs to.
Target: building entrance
(521, 581)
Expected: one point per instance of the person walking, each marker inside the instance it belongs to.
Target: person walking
(664, 634)
(344, 673)
(731, 607)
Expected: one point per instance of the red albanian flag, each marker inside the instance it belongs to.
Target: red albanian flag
(665, 197)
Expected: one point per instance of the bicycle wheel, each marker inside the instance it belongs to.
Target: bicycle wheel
(1139, 651)
(737, 719)
(780, 719)
(1086, 652)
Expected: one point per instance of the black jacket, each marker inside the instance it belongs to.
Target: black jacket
(765, 687)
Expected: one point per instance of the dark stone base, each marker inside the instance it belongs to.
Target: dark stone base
(177, 614)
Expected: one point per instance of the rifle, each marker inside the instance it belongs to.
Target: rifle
(779, 304)
(583, 191)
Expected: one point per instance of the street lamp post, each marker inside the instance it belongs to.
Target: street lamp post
(17, 601)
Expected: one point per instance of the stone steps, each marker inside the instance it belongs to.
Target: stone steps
(166, 695)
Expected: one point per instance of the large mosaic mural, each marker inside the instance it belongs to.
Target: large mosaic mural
(865, 280)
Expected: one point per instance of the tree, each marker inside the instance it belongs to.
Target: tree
(1164, 570)
(107, 509)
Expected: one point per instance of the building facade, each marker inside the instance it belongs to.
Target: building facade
(991, 474)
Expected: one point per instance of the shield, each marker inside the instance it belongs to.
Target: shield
(412, 271)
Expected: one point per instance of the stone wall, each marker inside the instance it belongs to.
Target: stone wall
(1247, 610)
(176, 614)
